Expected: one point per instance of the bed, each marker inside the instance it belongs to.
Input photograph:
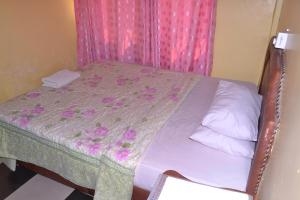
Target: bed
(66, 142)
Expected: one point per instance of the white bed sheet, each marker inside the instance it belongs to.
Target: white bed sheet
(173, 150)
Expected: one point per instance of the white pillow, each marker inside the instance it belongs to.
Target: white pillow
(234, 111)
(223, 143)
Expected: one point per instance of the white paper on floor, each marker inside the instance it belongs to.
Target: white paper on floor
(41, 188)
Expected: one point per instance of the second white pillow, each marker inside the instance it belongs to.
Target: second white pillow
(223, 143)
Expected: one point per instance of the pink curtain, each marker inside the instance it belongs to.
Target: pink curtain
(168, 34)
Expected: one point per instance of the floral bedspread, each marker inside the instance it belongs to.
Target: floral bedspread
(112, 110)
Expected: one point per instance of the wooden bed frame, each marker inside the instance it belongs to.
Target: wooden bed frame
(270, 89)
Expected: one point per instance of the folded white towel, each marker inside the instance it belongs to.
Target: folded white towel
(60, 78)
(53, 85)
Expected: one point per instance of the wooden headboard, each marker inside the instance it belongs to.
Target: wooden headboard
(270, 89)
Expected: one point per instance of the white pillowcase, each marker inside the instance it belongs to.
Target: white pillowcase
(223, 143)
(234, 111)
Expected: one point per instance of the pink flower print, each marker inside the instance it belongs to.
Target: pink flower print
(68, 113)
(174, 93)
(173, 97)
(101, 131)
(93, 149)
(121, 81)
(23, 121)
(89, 113)
(38, 109)
(122, 154)
(149, 93)
(119, 103)
(108, 100)
(33, 95)
(130, 134)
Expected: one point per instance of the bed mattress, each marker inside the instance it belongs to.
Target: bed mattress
(173, 150)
